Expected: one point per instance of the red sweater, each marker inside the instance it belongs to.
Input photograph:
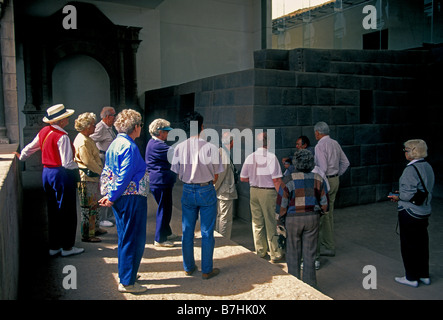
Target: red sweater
(48, 139)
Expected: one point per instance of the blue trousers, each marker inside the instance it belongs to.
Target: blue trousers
(197, 199)
(163, 197)
(60, 193)
(130, 218)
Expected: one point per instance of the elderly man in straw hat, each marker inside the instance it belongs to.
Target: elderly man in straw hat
(59, 179)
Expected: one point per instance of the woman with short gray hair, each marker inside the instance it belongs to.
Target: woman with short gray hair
(161, 180)
(124, 183)
(414, 208)
(299, 204)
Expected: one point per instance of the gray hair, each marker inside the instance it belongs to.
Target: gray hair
(107, 111)
(157, 125)
(303, 160)
(417, 148)
(322, 128)
(84, 120)
(126, 121)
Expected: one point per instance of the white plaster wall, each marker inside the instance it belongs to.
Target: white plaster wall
(201, 38)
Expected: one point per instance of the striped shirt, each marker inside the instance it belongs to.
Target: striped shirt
(305, 194)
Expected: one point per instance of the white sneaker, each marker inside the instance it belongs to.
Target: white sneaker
(73, 251)
(106, 223)
(426, 281)
(405, 281)
(167, 244)
(133, 288)
(54, 252)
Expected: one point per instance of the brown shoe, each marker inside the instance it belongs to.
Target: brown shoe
(190, 272)
(210, 275)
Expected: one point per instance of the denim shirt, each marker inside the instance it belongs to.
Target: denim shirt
(125, 170)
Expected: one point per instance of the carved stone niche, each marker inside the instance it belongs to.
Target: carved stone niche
(46, 42)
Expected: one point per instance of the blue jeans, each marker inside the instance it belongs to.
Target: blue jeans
(197, 199)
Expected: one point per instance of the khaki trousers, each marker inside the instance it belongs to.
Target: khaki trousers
(264, 223)
(326, 235)
(223, 225)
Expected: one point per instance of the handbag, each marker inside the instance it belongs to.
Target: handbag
(420, 196)
(89, 173)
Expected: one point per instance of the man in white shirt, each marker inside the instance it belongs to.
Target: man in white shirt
(198, 163)
(262, 170)
(331, 159)
(103, 136)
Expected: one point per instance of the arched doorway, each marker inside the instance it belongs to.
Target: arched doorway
(80, 82)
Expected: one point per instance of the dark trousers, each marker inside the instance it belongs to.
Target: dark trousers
(60, 191)
(163, 197)
(414, 242)
(130, 218)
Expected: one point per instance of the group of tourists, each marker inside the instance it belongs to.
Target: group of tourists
(107, 171)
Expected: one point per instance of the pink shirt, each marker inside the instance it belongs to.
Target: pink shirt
(260, 168)
(196, 161)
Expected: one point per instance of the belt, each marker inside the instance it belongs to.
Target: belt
(332, 176)
(200, 184)
(262, 187)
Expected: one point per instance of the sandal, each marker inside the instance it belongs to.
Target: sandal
(93, 239)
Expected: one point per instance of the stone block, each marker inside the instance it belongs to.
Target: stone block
(384, 153)
(347, 97)
(327, 80)
(345, 135)
(373, 174)
(274, 96)
(367, 134)
(359, 176)
(353, 115)
(309, 96)
(368, 155)
(321, 113)
(353, 154)
(325, 96)
(273, 116)
(291, 96)
(306, 79)
(244, 96)
(338, 115)
(304, 115)
(289, 135)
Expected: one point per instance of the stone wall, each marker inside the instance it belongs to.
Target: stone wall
(10, 221)
(369, 99)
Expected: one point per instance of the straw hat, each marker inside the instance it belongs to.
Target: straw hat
(57, 112)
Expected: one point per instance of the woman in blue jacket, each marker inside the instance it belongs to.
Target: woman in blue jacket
(413, 214)
(161, 180)
(124, 184)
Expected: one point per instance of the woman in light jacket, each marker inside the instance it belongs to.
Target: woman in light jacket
(413, 216)
(88, 159)
(125, 187)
